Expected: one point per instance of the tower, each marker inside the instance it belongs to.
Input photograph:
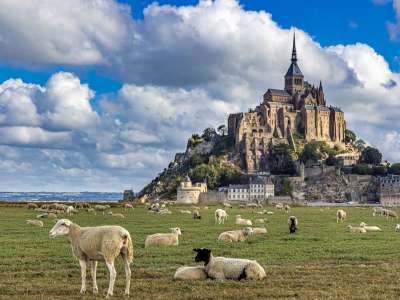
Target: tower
(320, 95)
(294, 79)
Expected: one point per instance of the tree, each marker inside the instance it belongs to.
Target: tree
(310, 153)
(194, 140)
(394, 169)
(379, 171)
(349, 136)
(208, 134)
(360, 145)
(371, 156)
(362, 169)
(195, 159)
(222, 129)
(331, 160)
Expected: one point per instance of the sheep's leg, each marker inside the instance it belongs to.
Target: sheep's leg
(94, 271)
(113, 275)
(82, 263)
(127, 275)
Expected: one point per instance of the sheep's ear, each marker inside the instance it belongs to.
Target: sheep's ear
(196, 249)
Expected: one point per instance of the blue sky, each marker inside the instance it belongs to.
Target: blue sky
(100, 95)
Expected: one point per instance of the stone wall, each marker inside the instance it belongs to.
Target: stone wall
(213, 197)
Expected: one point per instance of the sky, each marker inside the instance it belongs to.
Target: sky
(99, 95)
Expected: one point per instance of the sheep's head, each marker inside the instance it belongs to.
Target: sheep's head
(248, 231)
(176, 230)
(203, 254)
(362, 224)
(61, 228)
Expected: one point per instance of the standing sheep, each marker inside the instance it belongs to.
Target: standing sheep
(101, 243)
(70, 210)
(128, 206)
(235, 235)
(286, 208)
(292, 222)
(220, 216)
(196, 215)
(340, 215)
(164, 239)
(397, 228)
(390, 213)
(240, 221)
(229, 268)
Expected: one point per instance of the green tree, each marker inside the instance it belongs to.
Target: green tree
(194, 140)
(362, 169)
(379, 171)
(208, 134)
(222, 129)
(310, 152)
(349, 136)
(394, 169)
(360, 145)
(195, 159)
(371, 156)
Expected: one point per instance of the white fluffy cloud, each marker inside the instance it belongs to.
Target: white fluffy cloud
(394, 28)
(185, 68)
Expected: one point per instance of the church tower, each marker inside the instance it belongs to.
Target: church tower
(294, 79)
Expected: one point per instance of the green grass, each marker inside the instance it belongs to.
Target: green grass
(322, 261)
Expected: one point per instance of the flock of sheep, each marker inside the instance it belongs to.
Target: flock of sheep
(106, 243)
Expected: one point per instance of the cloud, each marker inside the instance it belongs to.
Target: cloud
(380, 2)
(394, 27)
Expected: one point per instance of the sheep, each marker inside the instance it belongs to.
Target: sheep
(286, 208)
(259, 230)
(164, 239)
(32, 206)
(205, 207)
(185, 212)
(279, 206)
(377, 211)
(340, 215)
(397, 228)
(390, 213)
(196, 208)
(100, 207)
(36, 223)
(240, 221)
(228, 268)
(270, 212)
(357, 229)
(227, 205)
(128, 206)
(263, 212)
(292, 222)
(190, 273)
(220, 216)
(242, 206)
(91, 210)
(369, 228)
(101, 243)
(118, 215)
(261, 221)
(47, 215)
(196, 215)
(235, 235)
(70, 210)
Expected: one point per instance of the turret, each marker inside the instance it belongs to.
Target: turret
(294, 79)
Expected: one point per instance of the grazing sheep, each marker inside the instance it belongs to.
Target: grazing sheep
(164, 239)
(196, 208)
(369, 228)
(128, 206)
(190, 273)
(93, 244)
(220, 216)
(32, 206)
(70, 210)
(91, 210)
(47, 216)
(340, 215)
(229, 268)
(196, 215)
(100, 207)
(240, 221)
(186, 212)
(118, 215)
(357, 229)
(252, 205)
(292, 222)
(377, 211)
(227, 205)
(397, 228)
(36, 223)
(390, 213)
(279, 206)
(235, 235)
(259, 230)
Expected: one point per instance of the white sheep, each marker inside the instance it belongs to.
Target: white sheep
(377, 211)
(91, 210)
(279, 206)
(70, 210)
(340, 215)
(229, 268)
(390, 213)
(190, 273)
(259, 230)
(93, 244)
(128, 206)
(227, 205)
(47, 215)
(357, 229)
(220, 216)
(186, 212)
(36, 223)
(235, 235)
(261, 221)
(118, 215)
(369, 227)
(241, 221)
(270, 212)
(164, 239)
(397, 228)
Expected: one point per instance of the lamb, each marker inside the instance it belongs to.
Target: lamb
(190, 273)
(235, 235)
(259, 230)
(357, 229)
(240, 221)
(229, 268)
(369, 228)
(128, 206)
(292, 222)
(186, 212)
(340, 215)
(220, 216)
(93, 244)
(70, 210)
(196, 215)
(164, 239)
(36, 223)
(397, 228)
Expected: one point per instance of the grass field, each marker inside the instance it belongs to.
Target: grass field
(322, 261)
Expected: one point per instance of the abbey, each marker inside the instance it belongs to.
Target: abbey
(299, 109)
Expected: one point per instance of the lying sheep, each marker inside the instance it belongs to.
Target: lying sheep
(196, 215)
(340, 215)
(356, 229)
(164, 239)
(227, 205)
(235, 235)
(205, 207)
(292, 222)
(270, 212)
(259, 230)
(186, 212)
(240, 221)
(369, 228)
(220, 216)
(229, 268)
(397, 228)
(190, 273)
(93, 244)
(47, 216)
(36, 223)
(100, 207)
(118, 215)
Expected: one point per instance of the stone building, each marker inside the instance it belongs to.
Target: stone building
(300, 108)
(389, 190)
(259, 189)
(188, 193)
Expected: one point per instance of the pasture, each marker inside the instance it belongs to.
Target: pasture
(321, 261)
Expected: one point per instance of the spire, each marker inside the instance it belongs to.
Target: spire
(294, 53)
(320, 86)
